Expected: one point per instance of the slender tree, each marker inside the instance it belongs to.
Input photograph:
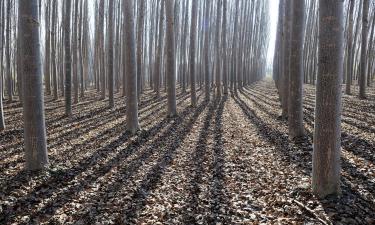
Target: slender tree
(327, 132)
(207, 52)
(140, 31)
(158, 58)
(193, 37)
(2, 120)
(132, 124)
(349, 68)
(110, 55)
(53, 49)
(33, 107)
(218, 64)
(68, 59)
(295, 110)
(286, 57)
(171, 60)
(363, 66)
(224, 47)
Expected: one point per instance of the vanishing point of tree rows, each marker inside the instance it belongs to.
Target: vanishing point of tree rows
(62, 48)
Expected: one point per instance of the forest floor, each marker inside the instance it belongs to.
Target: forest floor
(228, 161)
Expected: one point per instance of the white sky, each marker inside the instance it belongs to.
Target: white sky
(274, 10)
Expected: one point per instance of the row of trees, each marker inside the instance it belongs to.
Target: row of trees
(128, 46)
(355, 29)
(318, 42)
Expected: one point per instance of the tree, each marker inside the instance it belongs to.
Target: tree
(140, 31)
(75, 52)
(218, 64)
(206, 52)
(286, 57)
(7, 53)
(2, 121)
(68, 60)
(224, 48)
(132, 124)
(53, 49)
(363, 66)
(171, 60)
(110, 56)
(33, 103)
(193, 37)
(349, 68)
(327, 131)
(295, 110)
(158, 58)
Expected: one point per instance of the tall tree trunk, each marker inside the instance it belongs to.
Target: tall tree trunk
(207, 51)
(132, 124)
(75, 52)
(33, 107)
(2, 119)
(224, 48)
(47, 53)
(68, 59)
(286, 57)
(7, 53)
(140, 28)
(218, 52)
(363, 67)
(158, 58)
(295, 110)
(110, 56)
(53, 50)
(193, 37)
(170, 57)
(349, 69)
(101, 58)
(327, 133)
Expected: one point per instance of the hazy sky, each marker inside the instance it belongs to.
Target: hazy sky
(274, 10)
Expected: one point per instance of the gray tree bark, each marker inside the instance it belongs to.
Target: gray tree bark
(53, 50)
(327, 132)
(193, 37)
(349, 68)
(295, 108)
(2, 120)
(158, 57)
(132, 124)
(206, 52)
(110, 56)
(224, 48)
(140, 31)
(32, 80)
(286, 57)
(363, 67)
(68, 59)
(171, 59)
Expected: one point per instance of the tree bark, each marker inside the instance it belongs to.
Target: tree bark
(363, 67)
(171, 60)
(33, 107)
(140, 31)
(286, 58)
(350, 49)
(68, 60)
(110, 56)
(327, 132)
(295, 110)
(193, 37)
(132, 124)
